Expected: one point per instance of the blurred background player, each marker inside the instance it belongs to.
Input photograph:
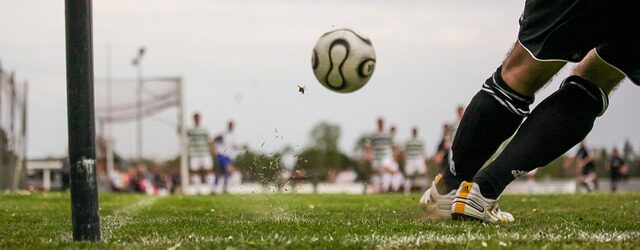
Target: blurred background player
(380, 149)
(200, 161)
(395, 148)
(617, 168)
(397, 178)
(415, 164)
(347, 176)
(453, 127)
(442, 156)
(226, 147)
(532, 185)
(586, 168)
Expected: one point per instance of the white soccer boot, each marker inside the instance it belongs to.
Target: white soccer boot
(434, 205)
(470, 204)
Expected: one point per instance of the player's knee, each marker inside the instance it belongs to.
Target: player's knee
(526, 74)
(500, 92)
(593, 91)
(598, 71)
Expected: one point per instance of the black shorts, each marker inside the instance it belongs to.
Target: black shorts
(615, 174)
(567, 30)
(588, 169)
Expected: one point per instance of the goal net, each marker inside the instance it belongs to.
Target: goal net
(139, 120)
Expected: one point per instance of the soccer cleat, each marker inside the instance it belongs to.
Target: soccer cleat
(435, 205)
(470, 204)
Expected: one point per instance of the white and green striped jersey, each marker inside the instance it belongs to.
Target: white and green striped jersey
(198, 142)
(382, 143)
(414, 148)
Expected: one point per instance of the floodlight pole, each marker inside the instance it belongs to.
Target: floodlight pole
(81, 122)
(137, 62)
(109, 136)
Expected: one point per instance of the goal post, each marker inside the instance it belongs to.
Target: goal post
(184, 171)
(81, 120)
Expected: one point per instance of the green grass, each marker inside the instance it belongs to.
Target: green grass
(587, 221)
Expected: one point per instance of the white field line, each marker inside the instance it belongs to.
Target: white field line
(121, 217)
(431, 237)
(393, 240)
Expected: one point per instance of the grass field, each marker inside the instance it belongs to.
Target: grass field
(593, 221)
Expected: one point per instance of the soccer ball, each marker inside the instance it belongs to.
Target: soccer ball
(343, 60)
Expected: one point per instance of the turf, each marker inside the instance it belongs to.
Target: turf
(584, 221)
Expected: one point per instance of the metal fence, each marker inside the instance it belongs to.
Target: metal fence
(13, 131)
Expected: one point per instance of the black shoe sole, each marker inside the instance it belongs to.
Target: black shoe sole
(464, 217)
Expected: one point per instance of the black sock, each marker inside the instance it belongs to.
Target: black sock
(555, 125)
(493, 115)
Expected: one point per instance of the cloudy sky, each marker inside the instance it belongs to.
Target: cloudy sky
(242, 60)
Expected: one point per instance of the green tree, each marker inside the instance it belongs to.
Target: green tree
(325, 137)
(318, 163)
(324, 154)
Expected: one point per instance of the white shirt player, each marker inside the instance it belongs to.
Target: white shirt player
(415, 163)
(227, 144)
(381, 143)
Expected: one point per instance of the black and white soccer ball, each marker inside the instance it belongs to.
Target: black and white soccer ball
(343, 60)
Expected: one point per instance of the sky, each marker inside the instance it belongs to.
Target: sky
(243, 60)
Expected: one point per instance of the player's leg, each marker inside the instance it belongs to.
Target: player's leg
(226, 173)
(194, 168)
(612, 184)
(373, 185)
(388, 169)
(410, 183)
(495, 113)
(396, 180)
(209, 176)
(586, 183)
(423, 175)
(376, 177)
(591, 179)
(220, 162)
(203, 171)
(557, 30)
(555, 126)
(208, 172)
(224, 163)
(594, 180)
(385, 181)
(613, 176)
(397, 176)
(582, 182)
(410, 174)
